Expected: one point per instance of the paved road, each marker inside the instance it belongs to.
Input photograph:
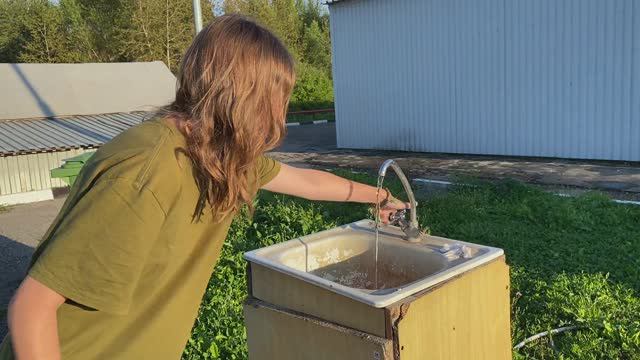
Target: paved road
(21, 227)
(310, 138)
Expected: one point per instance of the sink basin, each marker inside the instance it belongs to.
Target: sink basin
(343, 260)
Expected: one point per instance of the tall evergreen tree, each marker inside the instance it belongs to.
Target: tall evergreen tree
(317, 47)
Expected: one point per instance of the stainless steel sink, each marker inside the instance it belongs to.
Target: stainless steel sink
(343, 260)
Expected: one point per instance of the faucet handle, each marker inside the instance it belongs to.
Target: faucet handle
(398, 218)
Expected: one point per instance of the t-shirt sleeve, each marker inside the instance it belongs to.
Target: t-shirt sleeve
(268, 169)
(96, 254)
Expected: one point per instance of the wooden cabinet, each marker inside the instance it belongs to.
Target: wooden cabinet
(466, 317)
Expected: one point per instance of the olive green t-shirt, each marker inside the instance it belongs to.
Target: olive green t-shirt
(126, 252)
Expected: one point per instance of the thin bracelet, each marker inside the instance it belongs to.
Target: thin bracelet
(385, 201)
(350, 190)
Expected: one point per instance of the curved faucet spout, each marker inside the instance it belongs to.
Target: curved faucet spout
(411, 229)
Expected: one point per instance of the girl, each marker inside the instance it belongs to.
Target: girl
(122, 270)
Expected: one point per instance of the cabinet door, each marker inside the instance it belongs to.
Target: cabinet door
(275, 333)
(466, 318)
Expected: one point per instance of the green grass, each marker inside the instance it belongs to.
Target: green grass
(311, 117)
(574, 261)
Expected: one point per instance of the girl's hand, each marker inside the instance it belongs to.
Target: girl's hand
(389, 205)
(320, 185)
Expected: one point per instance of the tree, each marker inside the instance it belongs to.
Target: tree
(287, 24)
(97, 30)
(13, 35)
(103, 19)
(150, 30)
(279, 16)
(309, 11)
(78, 39)
(303, 26)
(51, 33)
(317, 47)
(46, 43)
(158, 30)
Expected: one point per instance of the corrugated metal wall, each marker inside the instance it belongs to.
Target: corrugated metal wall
(31, 172)
(558, 78)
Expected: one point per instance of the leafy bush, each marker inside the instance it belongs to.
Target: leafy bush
(313, 89)
(310, 105)
(573, 262)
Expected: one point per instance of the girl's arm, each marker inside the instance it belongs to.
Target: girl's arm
(33, 323)
(321, 185)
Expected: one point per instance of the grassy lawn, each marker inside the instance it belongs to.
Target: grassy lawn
(574, 261)
(310, 117)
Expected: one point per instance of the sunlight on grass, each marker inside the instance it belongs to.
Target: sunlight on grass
(574, 261)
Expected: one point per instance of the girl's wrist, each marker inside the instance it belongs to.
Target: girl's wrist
(382, 197)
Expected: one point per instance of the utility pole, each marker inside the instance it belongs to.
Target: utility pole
(197, 15)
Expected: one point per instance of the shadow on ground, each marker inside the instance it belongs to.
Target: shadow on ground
(14, 260)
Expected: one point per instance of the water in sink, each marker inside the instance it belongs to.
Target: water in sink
(361, 273)
(349, 259)
(395, 268)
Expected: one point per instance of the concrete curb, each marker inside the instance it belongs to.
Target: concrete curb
(314, 122)
(445, 184)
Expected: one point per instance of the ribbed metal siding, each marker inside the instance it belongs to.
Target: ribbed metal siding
(555, 78)
(31, 172)
(25, 136)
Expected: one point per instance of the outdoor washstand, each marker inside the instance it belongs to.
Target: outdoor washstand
(321, 297)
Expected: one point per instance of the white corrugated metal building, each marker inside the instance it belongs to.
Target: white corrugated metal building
(551, 78)
(51, 112)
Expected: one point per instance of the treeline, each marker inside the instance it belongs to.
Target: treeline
(78, 31)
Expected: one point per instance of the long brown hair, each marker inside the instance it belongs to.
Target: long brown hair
(233, 90)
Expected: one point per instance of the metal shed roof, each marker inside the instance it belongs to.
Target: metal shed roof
(23, 136)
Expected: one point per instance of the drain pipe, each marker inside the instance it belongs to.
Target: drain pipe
(197, 16)
(544, 333)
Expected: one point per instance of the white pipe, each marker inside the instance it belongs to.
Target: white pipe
(197, 16)
(617, 201)
(538, 336)
(629, 202)
(428, 181)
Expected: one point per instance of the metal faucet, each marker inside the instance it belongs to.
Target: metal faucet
(410, 228)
